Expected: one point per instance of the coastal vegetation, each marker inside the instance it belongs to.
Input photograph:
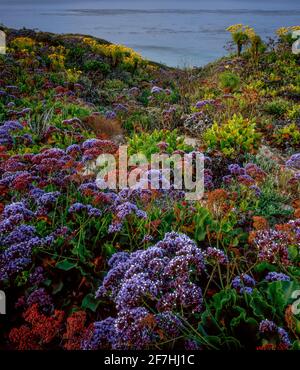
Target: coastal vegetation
(86, 268)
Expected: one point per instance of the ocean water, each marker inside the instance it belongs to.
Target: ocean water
(174, 32)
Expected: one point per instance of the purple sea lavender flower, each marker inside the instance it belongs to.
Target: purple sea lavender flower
(169, 323)
(73, 150)
(48, 199)
(191, 345)
(243, 282)
(117, 258)
(19, 234)
(135, 290)
(93, 212)
(294, 161)
(272, 246)
(102, 336)
(18, 208)
(110, 115)
(77, 208)
(277, 276)
(133, 330)
(236, 170)
(284, 337)
(92, 186)
(256, 190)
(227, 180)
(246, 180)
(156, 90)
(267, 327)
(37, 276)
(42, 298)
(216, 255)
(147, 239)
(9, 223)
(202, 103)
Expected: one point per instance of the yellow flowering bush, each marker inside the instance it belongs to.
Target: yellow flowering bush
(118, 53)
(283, 31)
(57, 57)
(23, 43)
(240, 35)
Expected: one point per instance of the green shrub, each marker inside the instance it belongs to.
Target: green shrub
(96, 65)
(237, 136)
(277, 107)
(146, 143)
(229, 80)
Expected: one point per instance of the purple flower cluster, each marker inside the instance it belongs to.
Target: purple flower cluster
(277, 276)
(121, 212)
(47, 200)
(42, 298)
(110, 114)
(216, 255)
(5, 132)
(269, 328)
(202, 103)
(37, 276)
(79, 208)
(102, 335)
(156, 90)
(16, 257)
(294, 161)
(248, 175)
(163, 277)
(243, 283)
(272, 246)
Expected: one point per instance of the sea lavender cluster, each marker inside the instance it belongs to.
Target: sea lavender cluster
(243, 283)
(202, 103)
(249, 176)
(47, 200)
(270, 329)
(13, 214)
(121, 212)
(37, 276)
(216, 255)
(17, 256)
(100, 336)
(80, 208)
(277, 276)
(163, 277)
(110, 114)
(156, 90)
(294, 161)
(42, 298)
(5, 132)
(92, 148)
(272, 246)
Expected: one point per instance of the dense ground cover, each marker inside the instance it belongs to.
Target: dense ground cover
(84, 268)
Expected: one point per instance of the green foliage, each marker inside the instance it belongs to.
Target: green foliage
(235, 137)
(229, 80)
(146, 143)
(276, 107)
(289, 134)
(96, 65)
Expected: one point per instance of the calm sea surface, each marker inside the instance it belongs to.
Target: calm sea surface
(175, 32)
